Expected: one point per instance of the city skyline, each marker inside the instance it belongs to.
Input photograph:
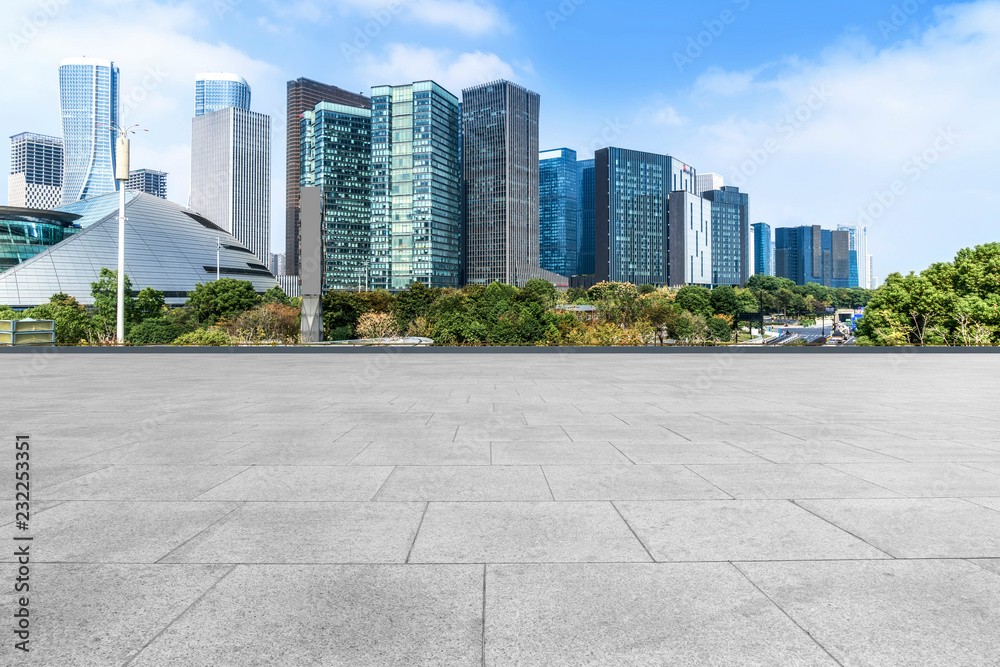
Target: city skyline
(725, 108)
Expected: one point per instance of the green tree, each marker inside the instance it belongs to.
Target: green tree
(222, 299)
(719, 330)
(724, 301)
(695, 300)
(105, 294)
(540, 291)
(73, 323)
(149, 304)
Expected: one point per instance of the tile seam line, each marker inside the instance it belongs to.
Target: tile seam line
(858, 537)
(547, 484)
(385, 481)
(178, 617)
(231, 477)
(786, 614)
(452, 563)
(634, 534)
(858, 477)
(185, 542)
(708, 481)
(416, 534)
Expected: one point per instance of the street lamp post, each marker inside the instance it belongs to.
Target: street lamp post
(121, 175)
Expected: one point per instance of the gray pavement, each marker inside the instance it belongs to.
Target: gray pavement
(506, 509)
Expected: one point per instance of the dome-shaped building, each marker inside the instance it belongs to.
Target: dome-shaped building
(167, 247)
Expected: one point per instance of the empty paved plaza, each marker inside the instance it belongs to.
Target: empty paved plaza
(501, 509)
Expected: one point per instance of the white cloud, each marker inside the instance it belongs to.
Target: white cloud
(153, 46)
(817, 142)
(471, 17)
(404, 64)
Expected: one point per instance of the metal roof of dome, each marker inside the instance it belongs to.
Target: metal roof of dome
(167, 248)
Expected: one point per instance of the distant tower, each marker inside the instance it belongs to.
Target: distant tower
(231, 172)
(303, 96)
(500, 171)
(213, 92)
(88, 94)
(36, 171)
(708, 182)
(416, 221)
(559, 211)
(150, 181)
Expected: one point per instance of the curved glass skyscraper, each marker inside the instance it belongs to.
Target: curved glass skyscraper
(216, 91)
(88, 93)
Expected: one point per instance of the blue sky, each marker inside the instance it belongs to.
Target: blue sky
(826, 113)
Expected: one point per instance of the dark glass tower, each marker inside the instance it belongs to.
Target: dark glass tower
(810, 254)
(336, 157)
(558, 211)
(585, 226)
(500, 174)
(303, 96)
(730, 236)
(631, 220)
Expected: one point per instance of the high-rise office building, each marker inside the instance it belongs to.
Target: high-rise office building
(763, 259)
(304, 95)
(88, 95)
(811, 254)
(558, 211)
(500, 173)
(231, 174)
(216, 91)
(36, 171)
(416, 220)
(872, 280)
(336, 157)
(585, 227)
(150, 181)
(632, 213)
(276, 264)
(708, 182)
(730, 236)
(690, 240)
(859, 255)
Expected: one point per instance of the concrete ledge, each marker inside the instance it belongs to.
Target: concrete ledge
(498, 350)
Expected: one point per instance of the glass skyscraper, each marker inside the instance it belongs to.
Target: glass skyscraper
(416, 187)
(860, 276)
(730, 236)
(811, 254)
(763, 257)
(336, 157)
(215, 91)
(88, 96)
(558, 211)
(631, 222)
(585, 226)
(304, 95)
(231, 173)
(500, 170)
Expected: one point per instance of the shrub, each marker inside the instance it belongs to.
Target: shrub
(374, 325)
(340, 333)
(204, 337)
(222, 299)
(267, 323)
(156, 331)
